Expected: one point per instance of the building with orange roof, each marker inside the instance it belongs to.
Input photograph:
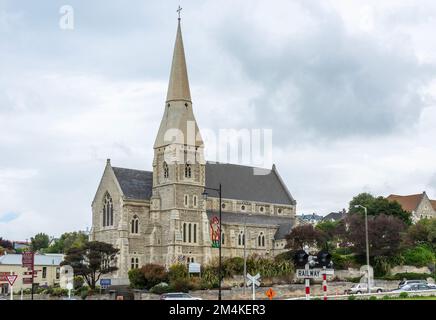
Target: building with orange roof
(419, 205)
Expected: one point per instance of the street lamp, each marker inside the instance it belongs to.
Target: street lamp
(220, 239)
(245, 249)
(367, 242)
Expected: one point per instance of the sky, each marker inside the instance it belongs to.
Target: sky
(347, 88)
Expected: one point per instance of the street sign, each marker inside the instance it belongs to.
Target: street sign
(254, 281)
(11, 279)
(194, 267)
(270, 293)
(3, 276)
(313, 273)
(27, 281)
(104, 283)
(27, 260)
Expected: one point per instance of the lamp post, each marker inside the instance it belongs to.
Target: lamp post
(367, 242)
(220, 238)
(245, 253)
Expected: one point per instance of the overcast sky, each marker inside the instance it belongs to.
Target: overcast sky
(348, 89)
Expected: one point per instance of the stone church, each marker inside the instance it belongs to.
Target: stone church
(161, 216)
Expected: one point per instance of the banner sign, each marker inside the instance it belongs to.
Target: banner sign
(194, 267)
(215, 232)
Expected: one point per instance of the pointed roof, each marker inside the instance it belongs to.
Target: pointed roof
(178, 87)
(408, 203)
(178, 123)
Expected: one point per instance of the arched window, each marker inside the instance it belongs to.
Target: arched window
(195, 233)
(261, 240)
(241, 238)
(166, 170)
(189, 232)
(134, 228)
(188, 171)
(194, 201)
(108, 211)
(134, 263)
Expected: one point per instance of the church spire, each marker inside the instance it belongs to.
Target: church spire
(178, 87)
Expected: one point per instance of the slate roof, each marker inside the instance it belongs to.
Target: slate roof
(238, 182)
(284, 223)
(40, 260)
(135, 184)
(241, 182)
(335, 216)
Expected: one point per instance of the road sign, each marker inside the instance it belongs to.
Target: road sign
(270, 293)
(194, 267)
(11, 279)
(27, 260)
(313, 273)
(104, 283)
(27, 281)
(254, 281)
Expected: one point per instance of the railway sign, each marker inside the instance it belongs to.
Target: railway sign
(313, 273)
(253, 280)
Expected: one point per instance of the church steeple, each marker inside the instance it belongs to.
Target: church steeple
(178, 87)
(178, 116)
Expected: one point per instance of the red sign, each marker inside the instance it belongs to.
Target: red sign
(27, 280)
(3, 276)
(11, 279)
(27, 260)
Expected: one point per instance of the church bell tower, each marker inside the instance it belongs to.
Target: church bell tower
(179, 172)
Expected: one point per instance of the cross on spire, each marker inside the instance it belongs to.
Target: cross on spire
(178, 10)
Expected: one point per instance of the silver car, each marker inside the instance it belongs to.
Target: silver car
(415, 287)
(362, 288)
(178, 296)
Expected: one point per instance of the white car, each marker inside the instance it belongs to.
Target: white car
(178, 296)
(362, 288)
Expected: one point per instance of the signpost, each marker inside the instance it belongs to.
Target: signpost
(69, 288)
(11, 279)
(104, 283)
(28, 261)
(253, 280)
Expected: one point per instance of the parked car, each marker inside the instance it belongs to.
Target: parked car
(178, 296)
(362, 288)
(405, 282)
(415, 287)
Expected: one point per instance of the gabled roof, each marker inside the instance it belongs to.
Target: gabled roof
(284, 224)
(433, 204)
(335, 216)
(242, 183)
(135, 184)
(408, 203)
(238, 182)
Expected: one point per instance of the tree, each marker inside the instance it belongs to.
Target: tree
(303, 235)
(379, 205)
(384, 233)
(92, 260)
(40, 241)
(6, 244)
(67, 241)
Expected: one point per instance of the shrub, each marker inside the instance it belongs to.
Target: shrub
(136, 279)
(161, 288)
(351, 298)
(419, 256)
(153, 274)
(177, 271)
(343, 261)
(233, 266)
(372, 298)
(78, 282)
(181, 285)
(403, 295)
(386, 297)
(84, 292)
(59, 292)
